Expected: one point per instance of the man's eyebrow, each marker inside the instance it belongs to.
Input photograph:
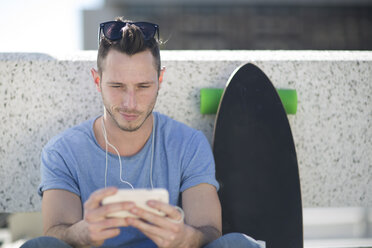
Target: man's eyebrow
(144, 83)
(139, 83)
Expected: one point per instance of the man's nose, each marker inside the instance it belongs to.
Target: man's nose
(130, 101)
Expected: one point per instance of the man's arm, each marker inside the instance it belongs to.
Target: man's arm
(63, 217)
(203, 211)
(60, 209)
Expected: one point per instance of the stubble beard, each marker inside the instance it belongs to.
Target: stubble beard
(128, 128)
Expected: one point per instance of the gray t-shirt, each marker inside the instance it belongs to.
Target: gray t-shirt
(74, 161)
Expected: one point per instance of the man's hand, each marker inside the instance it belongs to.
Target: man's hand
(98, 228)
(165, 231)
(63, 217)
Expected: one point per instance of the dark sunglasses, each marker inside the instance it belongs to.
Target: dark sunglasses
(112, 30)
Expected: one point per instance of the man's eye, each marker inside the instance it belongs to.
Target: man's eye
(115, 86)
(144, 86)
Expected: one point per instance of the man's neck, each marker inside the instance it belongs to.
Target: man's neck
(127, 143)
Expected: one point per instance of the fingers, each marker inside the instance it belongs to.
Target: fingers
(98, 237)
(107, 224)
(161, 242)
(161, 229)
(170, 211)
(94, 212)
(97, 214)
(162, 236)
(96, 197)
(97, 226)
(149, 228)
(152, 218)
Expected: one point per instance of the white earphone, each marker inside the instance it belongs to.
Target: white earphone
(117, 152)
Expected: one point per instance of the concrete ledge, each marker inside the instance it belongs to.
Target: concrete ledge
(339, 243)
(41, 95)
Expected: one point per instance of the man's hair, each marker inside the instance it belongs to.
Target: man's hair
(132, 42)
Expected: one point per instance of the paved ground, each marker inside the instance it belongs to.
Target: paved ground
(323, 228)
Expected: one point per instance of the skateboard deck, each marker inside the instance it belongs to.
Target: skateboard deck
(256, 162)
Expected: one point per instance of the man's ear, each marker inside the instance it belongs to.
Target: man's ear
(161, 75)
(96, 79)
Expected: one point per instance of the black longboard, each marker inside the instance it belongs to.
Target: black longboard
(256, 162)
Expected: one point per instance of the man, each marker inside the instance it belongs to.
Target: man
(130, 146)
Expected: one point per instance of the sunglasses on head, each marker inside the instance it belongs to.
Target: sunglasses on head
(113, 30)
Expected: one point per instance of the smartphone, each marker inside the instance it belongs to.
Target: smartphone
(139, 197)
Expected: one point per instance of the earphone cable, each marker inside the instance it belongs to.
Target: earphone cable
(152, 151)
(118, 154)
(119, 158)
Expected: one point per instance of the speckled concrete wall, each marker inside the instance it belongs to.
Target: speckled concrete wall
(41, 95)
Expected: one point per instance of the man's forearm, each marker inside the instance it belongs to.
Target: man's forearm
(69, 233)
(208, 234)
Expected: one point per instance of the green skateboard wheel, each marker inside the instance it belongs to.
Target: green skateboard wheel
(289, 100)
(210, 99)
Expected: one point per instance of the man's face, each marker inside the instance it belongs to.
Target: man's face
(129, 87)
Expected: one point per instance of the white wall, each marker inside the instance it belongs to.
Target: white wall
(41, 95)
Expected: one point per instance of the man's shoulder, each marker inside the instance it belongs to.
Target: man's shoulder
(176, 129)
(170, 123)
(72, 135)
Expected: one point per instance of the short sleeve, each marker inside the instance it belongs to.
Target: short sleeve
(55, 173)
(198, 163)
